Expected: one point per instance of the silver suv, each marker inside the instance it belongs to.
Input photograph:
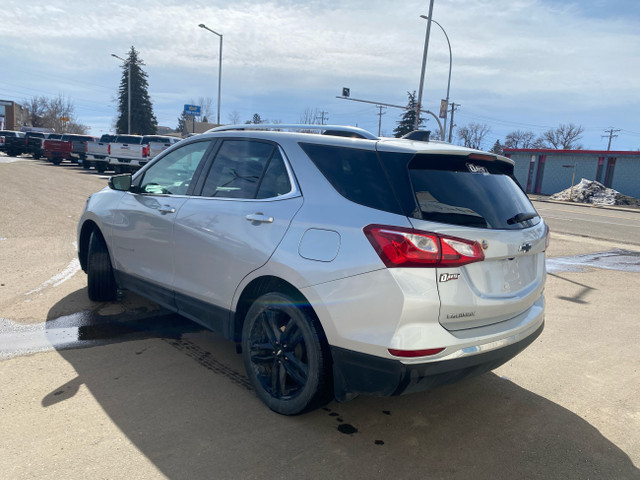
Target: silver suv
(343, 263)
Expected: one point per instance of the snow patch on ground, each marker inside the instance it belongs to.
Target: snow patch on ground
(589, 191)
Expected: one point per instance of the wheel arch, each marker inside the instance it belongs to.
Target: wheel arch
(87, 229)
(268, 284)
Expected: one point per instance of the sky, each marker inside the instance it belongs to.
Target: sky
(516, 64)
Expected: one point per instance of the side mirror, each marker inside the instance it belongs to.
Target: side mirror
(121, 183)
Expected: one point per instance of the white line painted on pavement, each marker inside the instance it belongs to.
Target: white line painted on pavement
(58, 279)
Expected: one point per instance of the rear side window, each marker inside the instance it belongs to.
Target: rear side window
(470, 192)
(356, 174)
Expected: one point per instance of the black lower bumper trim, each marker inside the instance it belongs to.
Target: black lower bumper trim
(359, 373)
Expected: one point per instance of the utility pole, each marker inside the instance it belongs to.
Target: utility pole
(322, 114)
(380, 107)
(611, 135)
(424, 65)
(451, 125)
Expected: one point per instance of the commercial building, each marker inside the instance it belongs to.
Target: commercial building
(12, 115)
(547, 171)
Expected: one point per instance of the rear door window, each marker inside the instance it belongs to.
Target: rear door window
(247, 169)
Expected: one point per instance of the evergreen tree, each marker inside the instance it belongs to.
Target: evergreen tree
(497, 148)
(182, 124)
(407, 123)
(143, 121)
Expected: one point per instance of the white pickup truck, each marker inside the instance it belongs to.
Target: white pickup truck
(130, 152)
(97, 152)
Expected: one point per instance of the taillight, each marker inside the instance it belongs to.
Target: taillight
(109, 149)
(145, 151)
(406, 247)
(86, 147)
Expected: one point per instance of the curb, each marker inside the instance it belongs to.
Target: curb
(617, 208)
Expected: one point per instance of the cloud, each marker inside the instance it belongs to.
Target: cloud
(552, 55)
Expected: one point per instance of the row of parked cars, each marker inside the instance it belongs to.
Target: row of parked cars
(120, 153)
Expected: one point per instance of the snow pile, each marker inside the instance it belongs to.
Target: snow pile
(589, 191)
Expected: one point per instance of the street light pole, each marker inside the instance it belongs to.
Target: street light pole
(424, 66)
(128, 92)
(450, 63)
(202, 25)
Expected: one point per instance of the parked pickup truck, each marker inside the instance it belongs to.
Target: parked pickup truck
(12, 142)
(79, 146)
(57, 150)
(130, 152)
(35, 143)
(97, 153)
(157, 144)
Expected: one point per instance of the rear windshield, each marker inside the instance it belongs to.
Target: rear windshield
(130, 139)
(54, 136)
(35, 134)
(469, 191)
(108, 138)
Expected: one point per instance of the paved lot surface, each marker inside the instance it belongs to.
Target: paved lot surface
(143, 399)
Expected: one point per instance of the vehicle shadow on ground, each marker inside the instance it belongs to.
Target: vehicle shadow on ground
(184, 401)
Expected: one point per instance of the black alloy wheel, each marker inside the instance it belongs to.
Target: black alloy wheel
(285, 355)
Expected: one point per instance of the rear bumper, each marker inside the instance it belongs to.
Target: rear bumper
(359, 373)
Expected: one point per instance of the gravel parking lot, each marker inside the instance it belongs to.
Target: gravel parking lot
(150, 395)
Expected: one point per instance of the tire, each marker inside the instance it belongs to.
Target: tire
(36, 156)
(101, 284)
(286, 355)
(117, 169)
(100, 167)
(57, 161)
(86, 165)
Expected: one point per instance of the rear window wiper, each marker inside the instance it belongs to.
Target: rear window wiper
(521, 217)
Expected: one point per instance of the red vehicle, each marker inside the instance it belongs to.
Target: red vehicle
(56, 150)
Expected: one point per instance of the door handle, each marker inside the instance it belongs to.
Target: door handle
(166, 209)
(259, 217)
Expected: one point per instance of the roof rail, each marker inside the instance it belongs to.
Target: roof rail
(339, 130)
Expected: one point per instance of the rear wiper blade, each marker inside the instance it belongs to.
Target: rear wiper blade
(521, 217)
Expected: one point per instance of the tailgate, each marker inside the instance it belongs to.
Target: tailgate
(505, 284)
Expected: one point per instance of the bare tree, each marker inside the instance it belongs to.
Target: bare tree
(57, 113)
(37, 107)
(473, 134)
(309, 116)
(205, 104)
(234, 117)
(565, 137)
(519, 139)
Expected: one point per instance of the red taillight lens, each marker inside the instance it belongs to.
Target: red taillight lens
(145, 151)
(406, 247)
(415, 353)
(108, 149)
